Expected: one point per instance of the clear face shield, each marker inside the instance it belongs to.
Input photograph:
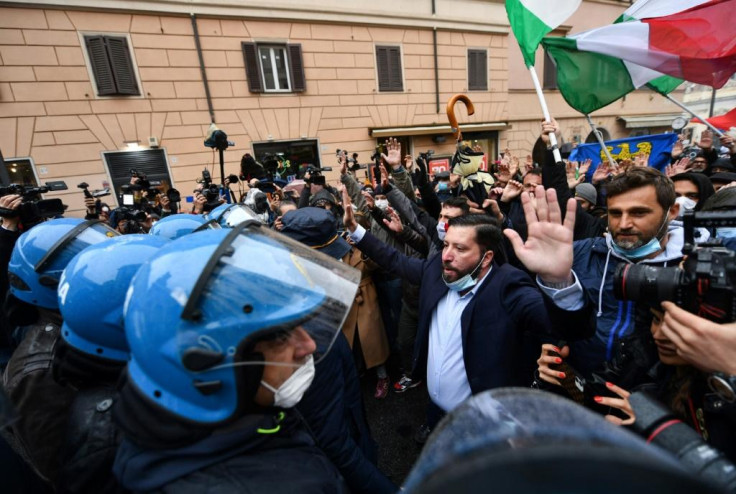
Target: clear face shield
(239, 214)
(263, 298)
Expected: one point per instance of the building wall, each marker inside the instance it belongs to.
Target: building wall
(49, 111)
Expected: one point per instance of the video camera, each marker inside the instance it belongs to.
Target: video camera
(315, 172)
(426, 156)
(209, 190)
(352, 159)
(33, 209)
(706, 285)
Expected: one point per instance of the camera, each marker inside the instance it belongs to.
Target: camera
(209, 190)
(705, 285)
(427, 155)
(658, 426)
(217, 139)
(132, 219)
(33, 209)
(95, 193)
(351, 158)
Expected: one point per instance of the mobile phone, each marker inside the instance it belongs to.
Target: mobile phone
(572, 383)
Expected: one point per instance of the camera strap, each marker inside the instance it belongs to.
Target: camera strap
(8, 213)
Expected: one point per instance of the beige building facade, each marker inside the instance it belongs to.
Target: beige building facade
(326, 75)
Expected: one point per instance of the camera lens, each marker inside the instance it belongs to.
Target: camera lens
(648, 284)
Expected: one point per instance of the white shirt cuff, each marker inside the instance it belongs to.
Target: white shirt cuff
(357, 235)
(570, 298)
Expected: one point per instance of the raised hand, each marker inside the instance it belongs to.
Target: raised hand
(393, 148)
(601, 173)
(384, 178)
(548, 128)
(370, 201)
(584, 167)
(514, 166)
(641, 160)
(348, 217)
(706, 139)
(394, 223)
(512, 190)
(504, 174)
(490, 206)
(548, 247)
(528, 163)
(342, 161)
(677, 147)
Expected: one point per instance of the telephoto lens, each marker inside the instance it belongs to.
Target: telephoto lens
(658, 426)
(650, 284)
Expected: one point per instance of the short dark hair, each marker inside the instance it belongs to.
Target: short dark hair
(458, 202)
(638, 177)
(487, 232)
(535, 171)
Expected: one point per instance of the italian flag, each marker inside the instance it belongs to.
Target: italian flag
(589, 81)
(532, 20)
(693, 40)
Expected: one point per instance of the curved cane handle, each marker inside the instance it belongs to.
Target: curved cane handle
(451, 113)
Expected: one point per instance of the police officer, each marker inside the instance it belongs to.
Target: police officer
(220, 353)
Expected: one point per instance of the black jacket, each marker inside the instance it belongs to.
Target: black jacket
(333, 409)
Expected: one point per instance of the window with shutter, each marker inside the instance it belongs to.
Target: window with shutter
(112, 65)
(477, 70)
(151, 162)
(274, 68)
(388, 66)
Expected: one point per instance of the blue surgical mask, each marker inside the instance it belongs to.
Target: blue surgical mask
(726, 232)
(643, 251)
(442, 187)
(467, 281)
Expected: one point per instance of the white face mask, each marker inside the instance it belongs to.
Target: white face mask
(292, 390)
(686, 204)
(382, 204)
(441, 230)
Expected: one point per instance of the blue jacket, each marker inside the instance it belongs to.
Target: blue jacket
(333, 409)
(496, 324)
(594, 265)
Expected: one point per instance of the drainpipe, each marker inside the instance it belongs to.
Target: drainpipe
(436, 69)
(201, 68)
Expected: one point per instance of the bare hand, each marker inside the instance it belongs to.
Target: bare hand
(547, 358)
(408, 162)
(89, 202)
(601, 172)
(370, 201)
(199, 202)
(548, 237)
(512, 190)
(393, 148)
(164, 202)
(548, 128)
(706, 139)
(348, 218)
(384, 178)
(705, 344)
(394, 224)
(278, 224)
(12, 201)
(641, 160)
(528, 163)
(490, 206)
(677, 148)
(621, 403)
(342, 162)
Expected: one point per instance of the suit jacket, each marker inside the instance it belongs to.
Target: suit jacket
(500, 325)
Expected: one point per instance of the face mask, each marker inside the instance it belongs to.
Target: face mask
(467, 281)
(726, 232)
(643, 251)
(292, 390)
(686, 204)
(441, 230)
(382, 204)
(442, 187)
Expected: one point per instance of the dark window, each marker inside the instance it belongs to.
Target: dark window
(151, 162)
(299, 154)
(550, 72)
(477, 70)
(20, 171)
(388, 64)
(274, 68)
(112, 65)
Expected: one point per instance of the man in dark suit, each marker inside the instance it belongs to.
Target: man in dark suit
(476, 312)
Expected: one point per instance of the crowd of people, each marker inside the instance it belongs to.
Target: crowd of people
(220, 349)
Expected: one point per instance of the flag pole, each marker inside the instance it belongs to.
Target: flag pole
(545, 111)
(706, 122)
(599, 137)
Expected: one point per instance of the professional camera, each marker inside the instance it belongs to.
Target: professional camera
(658, 426)
(315, 173)
(351, 158)
(217, 139)
(95, 193)
(209, 190)
(705, 285)
(133, 219)
(427, 155)
(33, 209)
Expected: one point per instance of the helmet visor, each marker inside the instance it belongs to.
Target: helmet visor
(261, 287)
(237, 215)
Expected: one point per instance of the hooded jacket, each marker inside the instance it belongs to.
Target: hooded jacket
(594, 265)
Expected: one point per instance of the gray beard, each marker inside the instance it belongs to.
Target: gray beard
(628, 245)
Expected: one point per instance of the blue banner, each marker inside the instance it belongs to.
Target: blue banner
(657, 146)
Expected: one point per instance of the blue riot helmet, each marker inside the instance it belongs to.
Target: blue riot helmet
(92, 293)
(41, 254)
(231, 215)
(192, 331)
(177, 225)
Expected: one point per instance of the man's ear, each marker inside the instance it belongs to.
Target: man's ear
(674, 212)
(488, 258)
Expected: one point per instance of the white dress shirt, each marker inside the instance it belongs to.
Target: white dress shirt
(447, 381)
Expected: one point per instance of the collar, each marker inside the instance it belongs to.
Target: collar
(477, 286)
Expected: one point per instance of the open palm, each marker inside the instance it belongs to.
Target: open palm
(548, 247)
